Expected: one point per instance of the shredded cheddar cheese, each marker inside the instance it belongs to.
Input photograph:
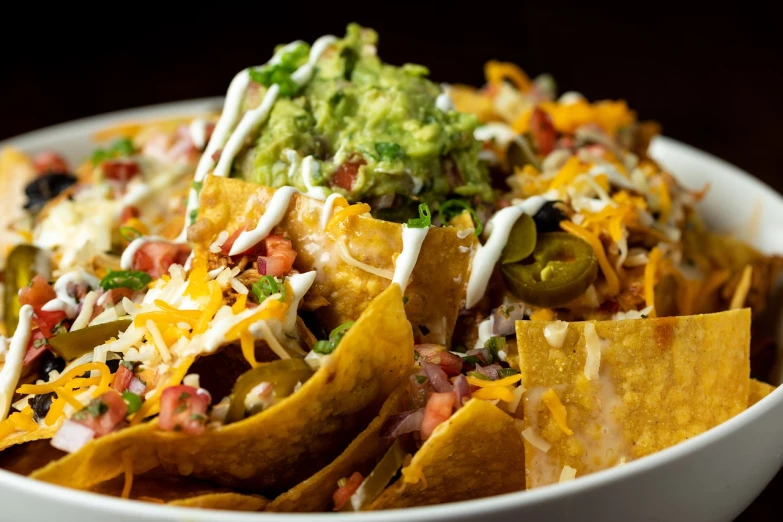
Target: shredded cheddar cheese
(650, 273)
(274, 309)
(493, 394)
(215, 301)
(247, 342)
(240, 304)
(500, 383)
(344, 213)
(496, 72)
(743, 287)
(39, 389)
(68, 397)
(612, 280)
(127, 466)
(557, 409)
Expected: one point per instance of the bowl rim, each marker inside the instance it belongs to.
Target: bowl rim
(468, 508)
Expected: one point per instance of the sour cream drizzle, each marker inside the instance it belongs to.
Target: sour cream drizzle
(231, 140)
(12, 369)
(412, 239)
(300, 284)
(126, 261)
(273, 215)
(328, 209)
(488, 254)
(64, 301)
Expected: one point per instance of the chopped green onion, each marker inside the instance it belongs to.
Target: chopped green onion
(267, 286)
(132, 400)
(425, 218)
(133, 279)
(129, 233)
(327, 347)
(454, 207)
(121, 147)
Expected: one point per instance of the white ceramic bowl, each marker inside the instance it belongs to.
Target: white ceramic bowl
(712, 477)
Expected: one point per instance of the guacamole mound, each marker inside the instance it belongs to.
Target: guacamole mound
(373, 129)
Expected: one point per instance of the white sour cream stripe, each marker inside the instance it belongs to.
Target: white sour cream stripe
(300, 284)
(12, 369)
(328, 208)
(64, 301)
(488, 254)
(272, 216)
(412, 239)
(126, 261)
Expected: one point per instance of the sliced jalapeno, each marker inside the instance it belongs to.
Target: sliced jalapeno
(561, 268)
(521, 240)
(284, 374)
(74, 344)
(24, 262)
(378, 479)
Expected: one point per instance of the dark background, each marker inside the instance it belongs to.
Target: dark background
(711, 74)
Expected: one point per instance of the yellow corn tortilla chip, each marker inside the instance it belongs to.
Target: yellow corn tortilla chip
(274, 450)
(659, 382)
(28, 436)
(476, 453)
(315, 493)
(160, 487)
(16, 171)
(436, 286)
(758, 390)
(27, 457)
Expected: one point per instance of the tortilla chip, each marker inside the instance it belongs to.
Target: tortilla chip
(476, 453)
(660, 381)
(315, 493)
(27, 436)
(160, 487)
(436, 285)
(283, 445)
(758, 390)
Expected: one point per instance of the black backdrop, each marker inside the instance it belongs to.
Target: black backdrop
(711, 75)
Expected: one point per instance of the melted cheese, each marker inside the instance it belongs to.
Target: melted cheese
(557, 409)
(535, 440)
(567, 474)
(555, 333)
(594, 345)
(347, 258)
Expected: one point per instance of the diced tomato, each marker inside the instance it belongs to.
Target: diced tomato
(344, 492)
(543, 130)
(115, 295)
(346, 174)
(36, 347)
(103, 414)
(120, 170)
(225, 248)
(156, 257)
(450, 363)
(48, 161)
(279, 258)
(184, 408)
(47, 321)
(438, 410)
(128, 212)
(122, 379)
(37, 293)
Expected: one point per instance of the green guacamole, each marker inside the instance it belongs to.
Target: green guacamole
(373, 129)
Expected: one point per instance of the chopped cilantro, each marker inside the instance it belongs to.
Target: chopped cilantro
(479, 375)
(128, 364)
(183, 396)
(336, 98)
(405, 300)
(425, 218)
(197, 186)
(421, 379)
(121, 147)
(280, 73)
(95, 409)
(388, 151)
(507, 372)
(39, 343)
(133, 279)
